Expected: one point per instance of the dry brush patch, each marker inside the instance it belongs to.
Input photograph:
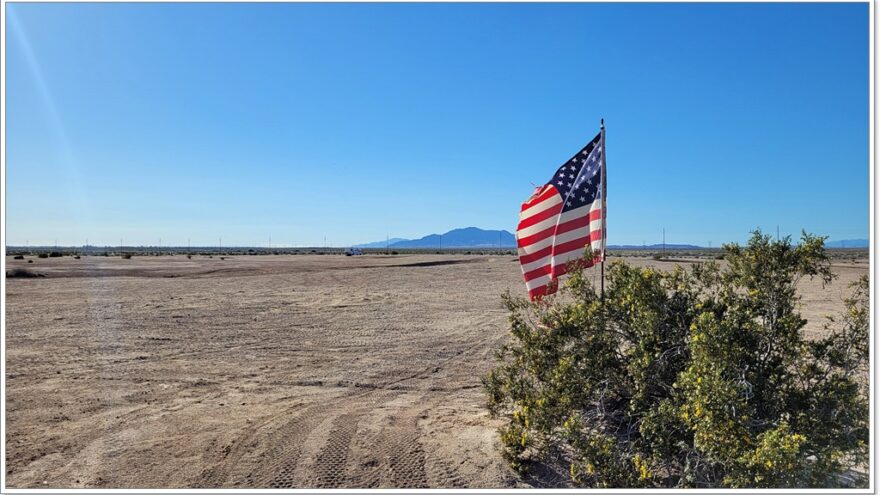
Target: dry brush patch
(689, 378)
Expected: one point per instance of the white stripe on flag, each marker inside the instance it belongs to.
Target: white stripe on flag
(554, 220)
(539, 207)
(537, 282)
(561, 259)
(538, 227)
(536, 264)
(536, 246)
(572, 235)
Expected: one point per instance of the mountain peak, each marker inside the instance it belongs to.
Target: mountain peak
(466, 237)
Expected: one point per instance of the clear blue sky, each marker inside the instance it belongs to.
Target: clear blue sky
(296, 121)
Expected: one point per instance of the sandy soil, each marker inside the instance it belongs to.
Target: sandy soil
(264, 371)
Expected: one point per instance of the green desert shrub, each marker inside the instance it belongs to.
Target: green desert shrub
(43, 255)
(688, 378)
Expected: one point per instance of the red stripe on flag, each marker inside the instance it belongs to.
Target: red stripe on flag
(531, 257)
(577, 244)
(561, 228)
(538, 292)
(538, 272)
(540, 216)
(560, 270)
(538, 237)
(558, 250)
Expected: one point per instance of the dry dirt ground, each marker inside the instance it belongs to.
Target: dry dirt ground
(264, 371)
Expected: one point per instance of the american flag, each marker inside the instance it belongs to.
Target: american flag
(561, 218)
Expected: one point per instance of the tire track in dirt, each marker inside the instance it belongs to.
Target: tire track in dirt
(403, 451)
(443, 473)
(315, 449)
(275, 444)
(289, 465)
(284, 458)
(363, 439)
(271, 454)
(274, 453)
(388, 450)
(328, 468)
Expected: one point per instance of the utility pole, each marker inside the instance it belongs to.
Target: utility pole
(441, 243)
(777, 233)
(270, 242)
(664, 242)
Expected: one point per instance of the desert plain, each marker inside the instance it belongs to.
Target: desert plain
(269, 371)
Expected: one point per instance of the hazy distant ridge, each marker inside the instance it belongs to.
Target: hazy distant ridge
(469, 237)
(380, 244)
(847, 243)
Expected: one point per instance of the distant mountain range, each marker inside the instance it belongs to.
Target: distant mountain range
(473, 237)
(381, 244)
(470, 237)
(848, 243)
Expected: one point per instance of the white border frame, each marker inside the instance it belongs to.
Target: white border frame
(872, 274)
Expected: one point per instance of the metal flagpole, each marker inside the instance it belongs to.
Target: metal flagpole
(604, 151)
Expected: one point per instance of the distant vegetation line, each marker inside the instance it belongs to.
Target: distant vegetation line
(650, 251)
